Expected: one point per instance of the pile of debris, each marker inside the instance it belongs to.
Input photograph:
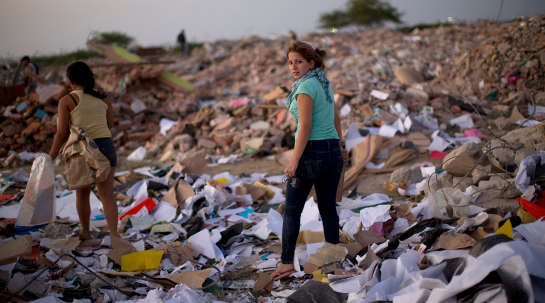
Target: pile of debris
(458, 218)
(217, 99)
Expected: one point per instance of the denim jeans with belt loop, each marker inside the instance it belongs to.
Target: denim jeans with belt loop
(320, 165)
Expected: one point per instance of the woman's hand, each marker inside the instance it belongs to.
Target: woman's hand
(289, 172)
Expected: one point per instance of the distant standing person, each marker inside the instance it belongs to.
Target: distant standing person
(293, 37)
(93, 112)
(31, 71)
(183, 44)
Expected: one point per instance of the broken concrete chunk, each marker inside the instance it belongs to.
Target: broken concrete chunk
(503, 48)
(436, 182)
(206, 143)
(480, 173)
(465, 182)
(523, 154)
(499, 187)
(412, 174)
(460, 161)
(501, 155)
(314, 291)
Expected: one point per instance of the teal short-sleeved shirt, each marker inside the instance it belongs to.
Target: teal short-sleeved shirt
(323, 112)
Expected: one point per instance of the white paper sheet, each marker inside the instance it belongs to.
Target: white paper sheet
(227, 212)
(390, 130)
(538, 109)
(138, 154)
(66, 206)
(345, 110)
(379, 95)
(310, 212)
(371, 215)
(275, 222)
(165, 125)
(201, 244)
(164, 212)
(463, 121)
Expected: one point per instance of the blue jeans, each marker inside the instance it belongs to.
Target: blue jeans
(320, 165)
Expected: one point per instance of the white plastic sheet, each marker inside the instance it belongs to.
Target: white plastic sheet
(38, 204)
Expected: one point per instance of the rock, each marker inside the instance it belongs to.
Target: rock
(499, 187)
(437, 104)
(515, 98)
(542, 59)
(455, 109)
(523, 154)
(534, 63)
(461, 160)
(481, 173)
(503, 48)
(439, 181)
(206, 143)
(465, 182)
(316, 292)
(413, 174)
(502, 123)
(56, 231)
(11, 161)
(10, 130)
(540, 99)
(330, 268)
(520, 138)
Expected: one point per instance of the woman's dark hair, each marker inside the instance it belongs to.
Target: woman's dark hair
(306, 51)
(80, 73)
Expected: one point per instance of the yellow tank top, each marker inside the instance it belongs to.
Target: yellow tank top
(90, 115)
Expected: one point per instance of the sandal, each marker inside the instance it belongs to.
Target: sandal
(283, 275)
(279, 275)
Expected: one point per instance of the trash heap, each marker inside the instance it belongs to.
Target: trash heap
(227, 106)
(456, 213)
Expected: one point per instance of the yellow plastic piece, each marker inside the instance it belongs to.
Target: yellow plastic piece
(525, 217)
(223, 180)
(142, 260)
(270, 192)
(320, 277)
(506, 229)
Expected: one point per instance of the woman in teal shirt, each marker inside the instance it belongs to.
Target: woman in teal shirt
(317, 159)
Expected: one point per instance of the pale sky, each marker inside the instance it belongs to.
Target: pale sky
(30, 27)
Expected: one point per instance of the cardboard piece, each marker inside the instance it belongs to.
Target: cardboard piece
(183, 191)
(15, 248)
(516, 115)
(398, 156)
(309, 268)
(454, 241)
(259, 195)
(65, 245)
(307, 236)
(191, 278)
(120, 247)
(367, 237)
(353, 248)
(362, 154)
(170, 197)
(194, 163)
(265, 281)
(284, 158)
(403, 210)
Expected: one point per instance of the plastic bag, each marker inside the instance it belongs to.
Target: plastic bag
(38, 205)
